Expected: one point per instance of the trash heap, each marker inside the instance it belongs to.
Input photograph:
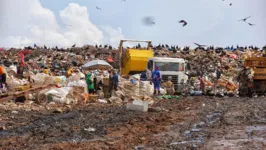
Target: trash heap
(61, 58)
(71, 89)
(205, 63)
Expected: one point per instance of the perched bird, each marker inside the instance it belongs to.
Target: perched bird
(251, 24)
(73, 45)
(98, 8)
(245, 19)
(35, 45)
(184, 22)
(45, 47)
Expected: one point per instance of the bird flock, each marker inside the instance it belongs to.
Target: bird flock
(150, 20)
(245, 20)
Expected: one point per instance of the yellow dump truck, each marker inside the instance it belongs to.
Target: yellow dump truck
(257, 84)
(133, 61)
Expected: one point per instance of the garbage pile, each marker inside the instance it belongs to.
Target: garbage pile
(63, 68)
(204, 64)
(60, 58)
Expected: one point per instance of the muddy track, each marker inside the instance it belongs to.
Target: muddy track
(189, 123)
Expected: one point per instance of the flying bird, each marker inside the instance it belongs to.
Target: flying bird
(251, 24)
(199, 45)
(245, 19)
(98, 8)
(123, 0)
(184, 22)
(230, 4)
(73, 45)
(148, 21)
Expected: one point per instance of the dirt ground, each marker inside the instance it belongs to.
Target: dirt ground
(188, 123)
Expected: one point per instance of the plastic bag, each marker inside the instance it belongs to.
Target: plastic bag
(59, 95)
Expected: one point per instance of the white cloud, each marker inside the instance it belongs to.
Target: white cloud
(37, 24)
(112, 34)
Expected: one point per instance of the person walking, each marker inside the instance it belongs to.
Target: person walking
(156, 79)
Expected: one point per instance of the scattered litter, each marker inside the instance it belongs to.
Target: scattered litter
(14, 112)
(102, 100)
(138, 105)
(90, 129)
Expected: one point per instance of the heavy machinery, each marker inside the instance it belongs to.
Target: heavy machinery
(174, 67)
(133, 61)
(256, 82)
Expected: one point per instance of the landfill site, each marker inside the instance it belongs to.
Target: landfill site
(141, 97)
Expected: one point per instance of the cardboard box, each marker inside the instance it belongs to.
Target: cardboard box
(106, 81)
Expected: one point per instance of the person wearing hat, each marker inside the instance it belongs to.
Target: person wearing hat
(156, 79)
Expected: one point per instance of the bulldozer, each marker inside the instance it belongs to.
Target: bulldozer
(255, 82)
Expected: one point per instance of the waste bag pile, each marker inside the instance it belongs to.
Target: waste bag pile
(210, 71)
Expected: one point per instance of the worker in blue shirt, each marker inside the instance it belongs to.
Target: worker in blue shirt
(115, 80)
(156, 79)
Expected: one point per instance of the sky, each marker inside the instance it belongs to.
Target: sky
(67, 22)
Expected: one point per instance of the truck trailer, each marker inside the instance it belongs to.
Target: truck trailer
(256, 84)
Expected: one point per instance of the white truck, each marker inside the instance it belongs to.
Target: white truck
(174, 67)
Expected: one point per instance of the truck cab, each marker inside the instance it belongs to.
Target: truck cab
(174, 67)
